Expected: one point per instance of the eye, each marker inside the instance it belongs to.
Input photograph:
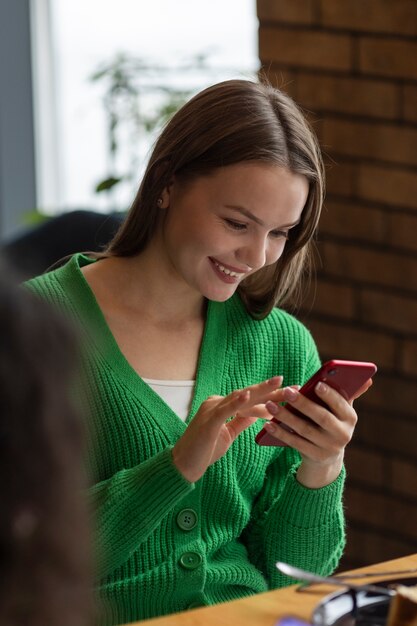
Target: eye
(280, 234)
(235, 225)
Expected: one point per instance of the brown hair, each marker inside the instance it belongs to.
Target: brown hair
(227, 123)
(44, 538)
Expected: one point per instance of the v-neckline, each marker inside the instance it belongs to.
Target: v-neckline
(211, 356)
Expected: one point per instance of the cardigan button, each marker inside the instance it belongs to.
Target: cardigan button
(195, 605)
(187, 519)
(190, 560)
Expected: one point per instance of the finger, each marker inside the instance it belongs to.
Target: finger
(318, 450)
(277, 395)
(362, 390)
(336, 406)
(252, 396)
(230, 405)
(280, 431)
(321, 427)
(239, 424)
(260, 392)
(258, 411)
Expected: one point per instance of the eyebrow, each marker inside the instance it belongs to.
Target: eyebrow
(256, 219)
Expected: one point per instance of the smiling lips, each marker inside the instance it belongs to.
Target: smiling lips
(226, 273)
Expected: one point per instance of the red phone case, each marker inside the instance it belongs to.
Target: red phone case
(344, 376)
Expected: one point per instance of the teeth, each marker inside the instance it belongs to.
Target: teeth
(225, 270)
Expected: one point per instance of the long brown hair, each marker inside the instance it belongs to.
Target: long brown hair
(227, 123)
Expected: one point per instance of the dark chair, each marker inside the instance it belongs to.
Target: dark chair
(33, 251)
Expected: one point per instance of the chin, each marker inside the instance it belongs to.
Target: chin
(219, 295)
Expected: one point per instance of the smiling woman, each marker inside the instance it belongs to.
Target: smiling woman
(245, 209)
(184, 300)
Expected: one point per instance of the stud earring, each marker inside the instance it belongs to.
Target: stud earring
(159, 202)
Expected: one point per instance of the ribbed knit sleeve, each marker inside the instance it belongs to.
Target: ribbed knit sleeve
(295, 524)
(130, 505)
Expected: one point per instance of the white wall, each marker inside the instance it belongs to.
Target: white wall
(17, 163)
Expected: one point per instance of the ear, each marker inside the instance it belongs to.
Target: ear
(165, 195)
(163, 200)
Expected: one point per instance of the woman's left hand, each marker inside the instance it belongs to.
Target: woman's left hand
(321, 441)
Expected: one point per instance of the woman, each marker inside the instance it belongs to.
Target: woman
(186, 350)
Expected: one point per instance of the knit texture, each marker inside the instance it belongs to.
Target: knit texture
(250, 510)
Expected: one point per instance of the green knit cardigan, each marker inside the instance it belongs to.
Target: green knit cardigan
(164, 544)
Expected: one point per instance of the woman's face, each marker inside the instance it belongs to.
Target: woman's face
(220, 228)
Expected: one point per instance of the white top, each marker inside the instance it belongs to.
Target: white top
(178, 394)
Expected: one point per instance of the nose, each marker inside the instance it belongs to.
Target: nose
(254, 253)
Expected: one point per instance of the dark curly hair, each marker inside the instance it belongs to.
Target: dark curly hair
(44, 538)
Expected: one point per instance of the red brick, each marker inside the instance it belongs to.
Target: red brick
(341, 177)
(365, 547)
(367, 228)
(381, 16)
(387, 513)
(398, 396)
(388, 57)
(292, 12)
(304, 48)
(350, 219)
(389, 311)
(404, 478)
(355, 96)
(409, 357)
(369, 266)
(323, 295)
(352, 343)
(384, 142)
(356, 459)
(410, 103)
(402, 229)
(393, 186)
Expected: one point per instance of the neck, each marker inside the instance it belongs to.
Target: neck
(143, 284)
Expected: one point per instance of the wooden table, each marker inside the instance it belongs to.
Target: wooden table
(266, 608)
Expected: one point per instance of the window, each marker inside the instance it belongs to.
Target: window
(159, 32)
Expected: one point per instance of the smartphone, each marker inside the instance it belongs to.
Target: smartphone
(344, 376)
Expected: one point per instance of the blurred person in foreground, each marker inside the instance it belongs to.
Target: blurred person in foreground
(44, 556)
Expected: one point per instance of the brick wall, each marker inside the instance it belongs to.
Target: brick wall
(352, 65)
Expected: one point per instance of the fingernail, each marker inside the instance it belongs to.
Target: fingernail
(270, 427)
(272, 407)
(290, 394)
(276, 381)
(321, 387)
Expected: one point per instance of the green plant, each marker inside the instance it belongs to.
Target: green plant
(138, 98)
(34, 217)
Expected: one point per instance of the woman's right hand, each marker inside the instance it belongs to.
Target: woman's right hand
(211, 433)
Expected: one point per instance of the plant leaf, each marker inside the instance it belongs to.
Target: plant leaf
(107, 183)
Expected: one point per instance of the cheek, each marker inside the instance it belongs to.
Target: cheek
(192, 242)
(275, 251)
